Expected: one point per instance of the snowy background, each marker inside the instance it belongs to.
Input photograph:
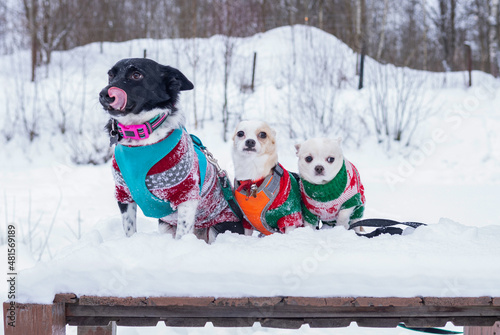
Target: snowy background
(57, 187)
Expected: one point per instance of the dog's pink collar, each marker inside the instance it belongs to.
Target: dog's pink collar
(139, 131)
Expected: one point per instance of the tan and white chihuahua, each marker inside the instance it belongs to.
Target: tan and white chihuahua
(268, 195)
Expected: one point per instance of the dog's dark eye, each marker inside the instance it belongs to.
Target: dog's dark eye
(262, 134)
(330, 160)
(136, 75)
(309, 159)
(241, 133)
(110, 76)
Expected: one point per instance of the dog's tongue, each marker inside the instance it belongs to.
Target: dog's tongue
(120, 98)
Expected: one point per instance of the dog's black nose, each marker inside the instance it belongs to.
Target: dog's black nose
(250, 143)
(104, 93)
(105, 99)
(319, 169)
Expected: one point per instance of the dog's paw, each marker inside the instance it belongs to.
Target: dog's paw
(248, 232)
(186, 218)
(344, 217)
(129, 218)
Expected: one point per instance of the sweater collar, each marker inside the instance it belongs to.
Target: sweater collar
(329, 191)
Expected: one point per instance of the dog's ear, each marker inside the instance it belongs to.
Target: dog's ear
(272, 135)
(273, 132)
(339, 140)
(175, 79)
(297, 148)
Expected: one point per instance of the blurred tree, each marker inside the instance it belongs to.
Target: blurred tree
(423, 34)
(493, 37)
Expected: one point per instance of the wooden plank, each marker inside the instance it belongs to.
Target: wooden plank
(232, 302)
(266, 301)
(338, 302)
(474, 321)
(232, 322)
(110, 329)
(67, 298)
(180, 301)
(89, 320)
(87, 300)
(455, 302)
(186, 322)
(282, 323)
(36, 319)
(305, 301)
(328, 323)
(272, 301)
(391, 301)
(494, 330)
(282, 310)
(100, 321)
(144, 301)
(378, 322)
(138, 322)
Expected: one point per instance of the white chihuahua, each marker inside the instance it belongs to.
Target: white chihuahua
(330, 185)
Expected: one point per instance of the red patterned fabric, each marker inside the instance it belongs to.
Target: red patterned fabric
(175, 178)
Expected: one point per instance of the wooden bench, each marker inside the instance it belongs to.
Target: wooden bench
(100, 315)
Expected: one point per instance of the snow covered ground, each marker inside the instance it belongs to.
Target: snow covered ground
(68, 230)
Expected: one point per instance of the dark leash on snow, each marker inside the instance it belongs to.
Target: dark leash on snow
(384, 226)
(430, 330)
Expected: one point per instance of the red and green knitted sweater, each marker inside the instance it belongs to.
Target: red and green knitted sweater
(323, 202)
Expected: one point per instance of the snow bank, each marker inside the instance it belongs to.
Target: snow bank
(332, 262)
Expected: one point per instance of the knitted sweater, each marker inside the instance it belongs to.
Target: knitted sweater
(285, 211)
(323, 202)
(175, 178)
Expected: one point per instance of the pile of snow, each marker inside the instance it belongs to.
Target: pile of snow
(326, 263)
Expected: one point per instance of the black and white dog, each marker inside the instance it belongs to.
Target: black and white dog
(155, 163)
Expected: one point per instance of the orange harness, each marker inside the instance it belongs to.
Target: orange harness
(255, 202)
